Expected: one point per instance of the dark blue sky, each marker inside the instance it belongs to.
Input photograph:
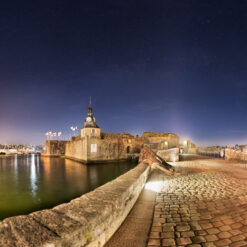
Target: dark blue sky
(163, 65)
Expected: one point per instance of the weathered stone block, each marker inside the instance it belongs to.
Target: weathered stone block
(28, 232)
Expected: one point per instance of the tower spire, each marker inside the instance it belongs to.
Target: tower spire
(90, 119)
(90, 102)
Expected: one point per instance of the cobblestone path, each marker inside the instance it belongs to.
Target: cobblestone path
(203, 208)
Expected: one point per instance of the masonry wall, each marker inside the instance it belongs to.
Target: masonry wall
(192, 151)
(157, 140)
(77, 149)
(107, 150)
(113, 148)
(171, 155)
(231, 154)
(173, 140)
(109, 147)
(89, 220)
(54, 148)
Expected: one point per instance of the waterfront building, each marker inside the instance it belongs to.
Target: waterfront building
(94, 146)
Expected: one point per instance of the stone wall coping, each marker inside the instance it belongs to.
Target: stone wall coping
(89, 220)
(55, 141)
(169, 150)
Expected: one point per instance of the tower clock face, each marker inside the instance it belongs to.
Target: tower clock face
(88, 119)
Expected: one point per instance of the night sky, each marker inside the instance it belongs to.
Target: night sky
(159, 65)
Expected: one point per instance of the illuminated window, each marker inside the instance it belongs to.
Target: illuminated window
(93, 148)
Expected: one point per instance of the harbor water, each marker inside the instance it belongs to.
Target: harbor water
(29, 182)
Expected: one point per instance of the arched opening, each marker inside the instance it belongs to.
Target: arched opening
(128, 149)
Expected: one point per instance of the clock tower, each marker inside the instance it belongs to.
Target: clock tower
(90, 128)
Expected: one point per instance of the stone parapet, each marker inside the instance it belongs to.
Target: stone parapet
(89, 220)
(211, 151)
(169, 155)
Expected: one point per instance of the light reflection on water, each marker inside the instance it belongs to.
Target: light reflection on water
(33, 177)
(29, 183)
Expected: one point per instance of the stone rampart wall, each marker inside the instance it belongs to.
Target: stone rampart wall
(231, 154)
(77, 150)
(54, 148)
(173, 141)
(108, 149)
(171, 155)
(158, 142)
(192, 151)
(105, 135)
(89, 220)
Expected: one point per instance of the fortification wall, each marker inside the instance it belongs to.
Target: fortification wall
(231, 154)
(111, 149)
(192, 151)
(157, 140)
(89, 220)
(77, 149)
(108, 146)
(171, 155)
(173, 141)
(135, 144)
(54, 148)
(107, 149)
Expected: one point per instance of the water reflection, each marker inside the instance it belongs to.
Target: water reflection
(31, 182)
(16, 167)
(33, 176)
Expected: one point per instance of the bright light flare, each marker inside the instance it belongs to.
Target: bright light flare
(155, 186)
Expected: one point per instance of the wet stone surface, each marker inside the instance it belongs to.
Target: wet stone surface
(200, 207)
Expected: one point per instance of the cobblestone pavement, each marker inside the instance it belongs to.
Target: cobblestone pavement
(201, 207)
